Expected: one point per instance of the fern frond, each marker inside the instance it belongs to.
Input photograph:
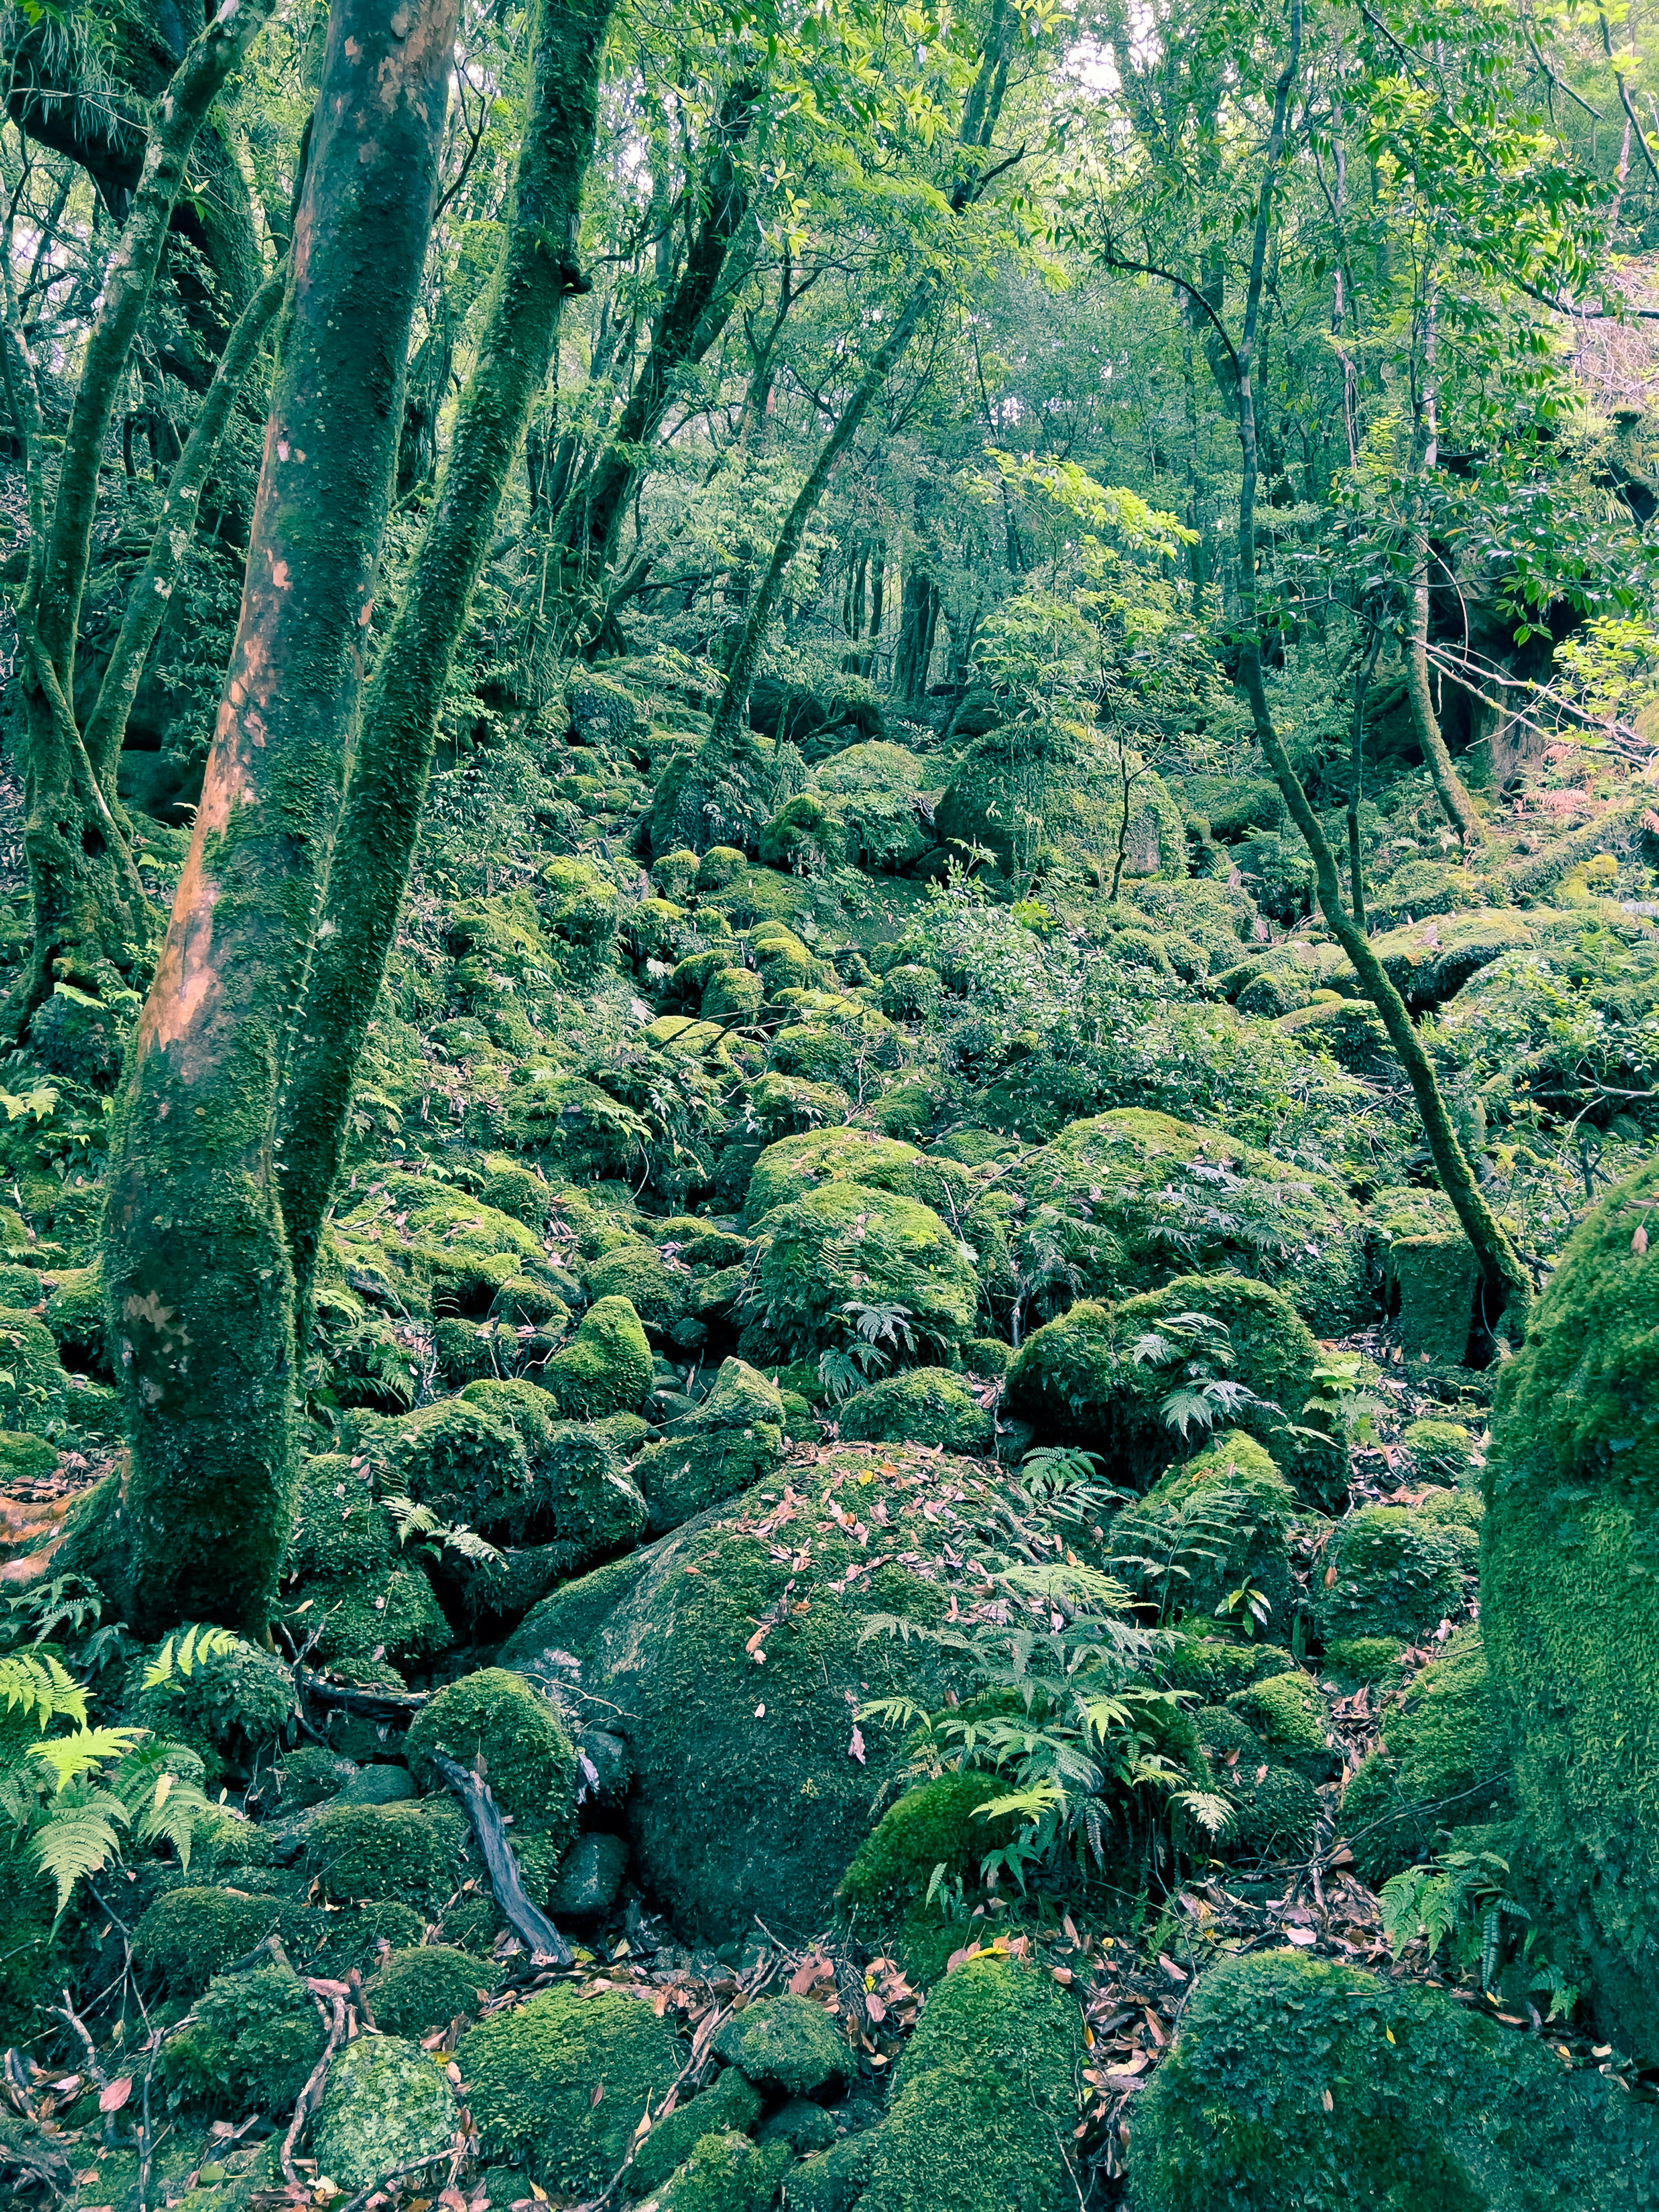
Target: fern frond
(78, 1839)
(409, 1519)
(69, 1757)
(194, 1649)
(1211, 1813)
(44, 1688)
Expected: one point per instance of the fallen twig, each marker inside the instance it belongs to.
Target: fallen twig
(528, 1921)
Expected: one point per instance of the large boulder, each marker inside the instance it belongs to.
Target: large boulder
(844, 1249)
(1570, 1606)
(1302, 2081)
(734, 1653)
(734, 1437)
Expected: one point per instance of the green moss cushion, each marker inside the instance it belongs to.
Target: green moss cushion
(385, 2104)
(497, 1724)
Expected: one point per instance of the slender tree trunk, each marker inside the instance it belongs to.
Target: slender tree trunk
(1507, 1290)
(198, 1285)
(1454, 801)
(92, 919)
(376, 843)
(147, 602)
(1357, 783)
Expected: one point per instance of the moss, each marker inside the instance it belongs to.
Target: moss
(1440, 1449)
(190, 1934)
(928, 1406)
(1120, 1191)
(1397, 1573)
(1297, 2081)
(1213, 1665)
(379, 1785)
(331, 1942)
(230, 1707)
(254, 2039)
(1286, 1711)
(1441, 1763)
(410, 1854)
(1370, 1659)
(787, 2046)
(726, 2173)
(1076, 1378)
(986, 1355)
(845, 1243)
(606, 1366)
(983, 2099)
(459, 1457)
(339, 1533)
(590, 1876)
(385, 2104)
(734, 1810)
(494, 1721)
(31, 1380)
(1277, 1812)
(734, 1437)
(795, 1166)
(583, 1488)
(1246, 1544)
(24, 1458)
(834, 2180)
(75, 1316)
(311, 1775)
(883, 1893)
(636, 1272)
(390, 1617)
(729, 2105)
(802, 2125)
(1431, 1277)
(533, 2077)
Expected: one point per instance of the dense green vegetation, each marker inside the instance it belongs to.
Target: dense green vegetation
(830, 914)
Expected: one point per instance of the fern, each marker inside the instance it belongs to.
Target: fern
(78, 1839)
(43, 1687)
(69, 1757)
(195, 1648)
(412, 1520)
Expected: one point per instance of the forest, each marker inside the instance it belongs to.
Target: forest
(829, 1063)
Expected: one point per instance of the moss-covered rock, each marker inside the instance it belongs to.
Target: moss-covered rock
(1122, 1193)
(747, 1798)
(834, 2180)
(415, 1854)
(231, 1707)
(730, 2105)
(495, 1724)
(190, 1934)
(1297, 2081)
(32, 1382)
(1440, 1450)
(636, 1271)
(1397, 1573)
(1370, 1659)
(254, 2038)
(585, 1492)
(534, 2078)
(589, 1878)
(426, 1986)
(456, 1455)
(385, 2105)
(846, 1244)
(24, 1458)
(1441, 1763)
(794, 1166)
(934, 1826)
(984, 2098)
(733, 1440)
(606, 1366)
(1432, 1279)
(1078, 1378)
(926, 1405)
(1244, 1507)
(726, 2173)
(1287, 1713)
(787, 2046)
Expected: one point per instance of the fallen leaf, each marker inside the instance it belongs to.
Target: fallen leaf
(856, 1749)
(110, 2099)
(1638, 1242)
(598, 2092)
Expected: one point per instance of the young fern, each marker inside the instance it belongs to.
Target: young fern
(439, 1536)
(42, 1687)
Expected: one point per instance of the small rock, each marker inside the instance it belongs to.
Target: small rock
(786, 2045)
(589, 1877)
(385, 2104)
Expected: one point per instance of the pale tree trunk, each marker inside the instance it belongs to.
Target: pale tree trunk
(1454, 801)
(198, 1287)
(400, 722)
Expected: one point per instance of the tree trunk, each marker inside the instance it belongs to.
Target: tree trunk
(1508, 1293)
(394, 755)
(92, 920)
(197, 1282)
(1454, 801)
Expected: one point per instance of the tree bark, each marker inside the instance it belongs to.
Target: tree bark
(91, 916)
(1454, 801)
(147, 602)
(1508, 1291)
(198, 1289)
(394, 755)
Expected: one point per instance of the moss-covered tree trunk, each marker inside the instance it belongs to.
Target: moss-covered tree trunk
(198, 1287)
(394, 754)
(1507, 1290)
(92, 920)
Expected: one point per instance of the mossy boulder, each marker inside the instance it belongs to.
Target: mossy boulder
(1368, 1659)
(425, 1987)
(1243, 1507)
(31, 1390)
(787, 2046)
(926, 1405)
(189, 1935)
(385, 2105)
(495, 1724)
(560, 2084)
(795, 1166)
(414, 1854)
(636, 1271)
(984, 2098)
(75, 1316)
(733, 1440)
(1286, 1711)
(847, 1244)
(834, 2180)
(1056, 789)
(24, 1458)
(233, 1707)
(1430, 1277)
(589, 1878)
(730, 2105)
(458, 1457)
(1440, 1450)
(1441, 1763)
(1398, 1572)
(1299, 2080)
(253, 2039)
(883, 1893)
(1123, 1192)
(1078, 1378)
(606, 1366)
(747, 1797)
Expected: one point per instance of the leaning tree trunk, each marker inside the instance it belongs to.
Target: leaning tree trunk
(394, 754)
(198, 1289)
(92, 920)
(1507, 1292)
